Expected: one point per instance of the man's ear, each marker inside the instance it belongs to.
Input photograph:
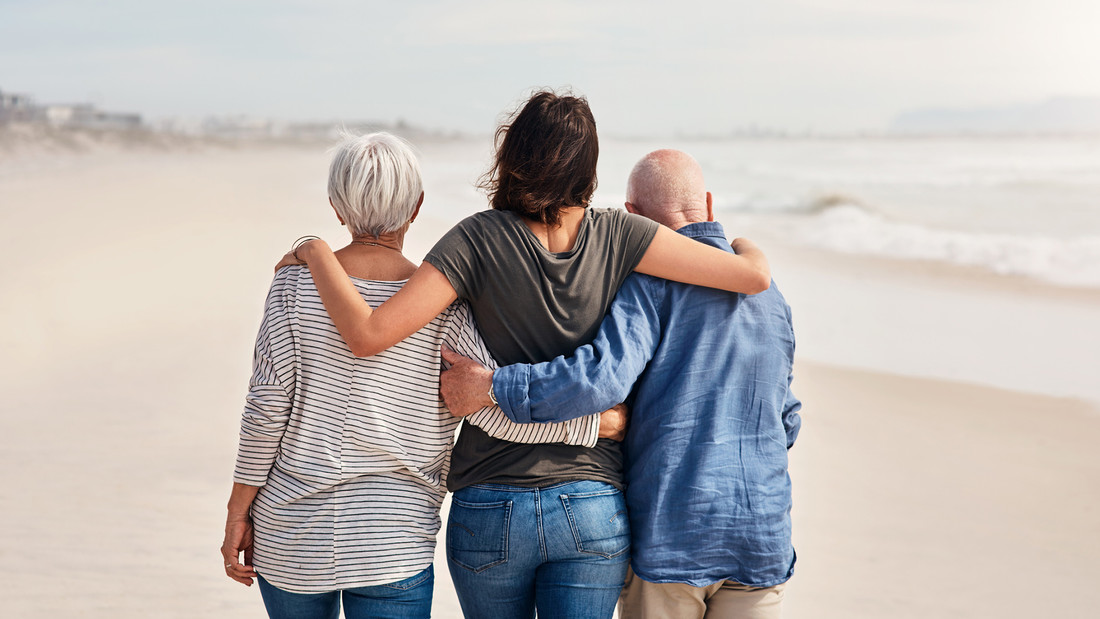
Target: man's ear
(337, 212)
(630, 208)
(416, 211)
(710, 207)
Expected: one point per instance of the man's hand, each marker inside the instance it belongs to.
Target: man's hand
(613, 422)
(465, 386)
(238, 539)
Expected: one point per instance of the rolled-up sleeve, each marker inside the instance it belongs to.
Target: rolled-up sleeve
(270, 393)
(598, 375)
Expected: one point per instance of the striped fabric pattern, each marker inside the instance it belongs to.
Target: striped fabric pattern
(352, 453)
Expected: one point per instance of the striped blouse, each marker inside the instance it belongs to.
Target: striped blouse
(352, 453)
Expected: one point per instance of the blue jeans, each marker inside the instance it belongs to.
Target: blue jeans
(405, 599)
(563, 549)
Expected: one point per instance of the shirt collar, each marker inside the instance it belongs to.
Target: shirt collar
(703, 228)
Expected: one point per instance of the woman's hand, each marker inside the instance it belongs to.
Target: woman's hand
(238, 539)
(288, 260)
(301, 254)
(238, 534)
(741, 245)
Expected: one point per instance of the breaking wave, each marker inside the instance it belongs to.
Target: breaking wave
(844, 224)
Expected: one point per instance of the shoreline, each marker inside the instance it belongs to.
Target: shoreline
(935, 320)
(921, 271)
(131, 331)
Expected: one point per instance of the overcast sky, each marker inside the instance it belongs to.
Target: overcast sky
(646, 67)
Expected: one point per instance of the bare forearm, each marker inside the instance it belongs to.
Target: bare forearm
(370, 331)
(679, 258)
(240, 500)
(349, 312)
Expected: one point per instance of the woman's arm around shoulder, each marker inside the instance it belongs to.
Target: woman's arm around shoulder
(682, 259)
(369, 331)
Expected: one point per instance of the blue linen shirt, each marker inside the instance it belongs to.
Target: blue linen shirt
(712, 417)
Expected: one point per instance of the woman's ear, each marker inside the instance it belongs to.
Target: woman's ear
(417, 210)
(338, 212)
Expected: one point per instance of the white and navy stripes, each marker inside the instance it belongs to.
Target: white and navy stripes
(352, 453)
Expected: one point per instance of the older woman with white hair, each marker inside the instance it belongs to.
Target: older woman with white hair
(342, 461)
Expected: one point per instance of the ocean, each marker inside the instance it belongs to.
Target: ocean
(967, 259)
(1011, 206)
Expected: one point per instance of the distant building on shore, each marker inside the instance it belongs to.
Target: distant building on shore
(86, 116)
(20, 108)
(16, 108)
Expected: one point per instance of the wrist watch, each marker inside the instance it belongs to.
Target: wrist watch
(492, 395)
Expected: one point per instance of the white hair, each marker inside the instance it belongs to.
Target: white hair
(374, 182)
(668, 180)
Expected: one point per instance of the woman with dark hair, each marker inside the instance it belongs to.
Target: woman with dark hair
(534, 526)
(338, 452)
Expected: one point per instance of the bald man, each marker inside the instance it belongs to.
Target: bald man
(707, 377)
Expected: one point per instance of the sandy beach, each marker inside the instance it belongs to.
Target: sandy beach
(133, 288)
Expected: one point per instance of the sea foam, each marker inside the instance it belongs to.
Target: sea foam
(853, 228)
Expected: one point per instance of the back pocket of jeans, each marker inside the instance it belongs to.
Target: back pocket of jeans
(599, 522)
(477, 534)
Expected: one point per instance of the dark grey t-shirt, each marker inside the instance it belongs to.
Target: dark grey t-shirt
(532, 305)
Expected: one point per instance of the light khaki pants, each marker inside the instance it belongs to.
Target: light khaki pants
(723, 600)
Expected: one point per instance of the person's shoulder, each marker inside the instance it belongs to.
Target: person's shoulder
(487, 218)
(477, 227)
(617, 219)
(286, 287)
(292, 277)
(642, 285)
(771, 298)
(774, 293)
(607, 214)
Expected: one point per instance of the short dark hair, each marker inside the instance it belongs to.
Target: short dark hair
(545, 158)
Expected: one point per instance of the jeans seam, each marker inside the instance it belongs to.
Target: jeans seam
(504, 533)
(538, 525)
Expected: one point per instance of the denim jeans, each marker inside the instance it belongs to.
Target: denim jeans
(564, 549)
(405, 599)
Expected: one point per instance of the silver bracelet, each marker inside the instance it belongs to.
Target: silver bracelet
(493, 395)
(298, 245)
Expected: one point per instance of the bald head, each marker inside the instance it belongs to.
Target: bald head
(667, 186)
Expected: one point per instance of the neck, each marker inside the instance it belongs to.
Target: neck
(392, 240)
(677, 219)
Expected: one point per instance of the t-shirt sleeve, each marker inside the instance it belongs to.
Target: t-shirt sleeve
(634, 234)
(457, 258)
(463, 338)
